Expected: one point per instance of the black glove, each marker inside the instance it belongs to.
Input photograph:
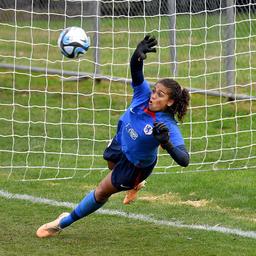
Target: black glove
(145, 46)
(161, 133)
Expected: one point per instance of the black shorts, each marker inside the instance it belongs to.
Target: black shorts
(125, 175)
(113, 151)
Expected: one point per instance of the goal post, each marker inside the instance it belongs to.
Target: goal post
(56, 124)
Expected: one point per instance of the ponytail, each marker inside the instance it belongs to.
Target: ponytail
(182, 104)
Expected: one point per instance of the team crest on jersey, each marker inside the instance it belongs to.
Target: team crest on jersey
(148, 129)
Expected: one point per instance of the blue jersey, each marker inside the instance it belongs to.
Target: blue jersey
(135, 128)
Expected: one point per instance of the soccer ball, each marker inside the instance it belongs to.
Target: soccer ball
(73, 42)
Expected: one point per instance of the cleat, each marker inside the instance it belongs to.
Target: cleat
(131, 194)
(52, 228)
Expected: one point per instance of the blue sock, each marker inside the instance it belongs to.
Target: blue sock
(85, 207)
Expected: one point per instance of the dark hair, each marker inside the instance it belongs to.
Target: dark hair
(180, 96)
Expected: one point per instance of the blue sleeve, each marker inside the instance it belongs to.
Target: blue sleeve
(180, 155)
(177, 150)
(175, 134)
(141, 93)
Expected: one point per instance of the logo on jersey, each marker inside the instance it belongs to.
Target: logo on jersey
(132, 111)
(148, 129)
(133, 134)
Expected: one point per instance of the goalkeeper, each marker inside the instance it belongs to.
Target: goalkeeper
(147, 123)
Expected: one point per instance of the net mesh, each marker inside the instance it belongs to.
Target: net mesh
(58, 114)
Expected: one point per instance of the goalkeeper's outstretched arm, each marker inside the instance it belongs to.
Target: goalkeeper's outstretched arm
(136, 65)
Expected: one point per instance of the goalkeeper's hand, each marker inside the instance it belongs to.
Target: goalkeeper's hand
(145, 46)
(161, 133)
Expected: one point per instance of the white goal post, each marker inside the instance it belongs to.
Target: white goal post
(57, 114)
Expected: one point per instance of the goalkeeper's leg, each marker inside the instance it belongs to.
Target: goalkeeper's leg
(91, 202)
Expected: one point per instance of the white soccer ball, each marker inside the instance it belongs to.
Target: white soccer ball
(73, 42)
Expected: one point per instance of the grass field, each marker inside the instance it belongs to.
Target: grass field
(47, 132)
(216, 199)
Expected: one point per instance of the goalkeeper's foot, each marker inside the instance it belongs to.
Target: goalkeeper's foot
(131, 195)
(52, 228)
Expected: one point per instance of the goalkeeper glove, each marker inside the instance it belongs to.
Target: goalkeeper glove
(161, 133)
(145, 46)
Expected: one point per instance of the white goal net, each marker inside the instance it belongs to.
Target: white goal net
(57, 114)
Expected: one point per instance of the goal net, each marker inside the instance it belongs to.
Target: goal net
(57, 114)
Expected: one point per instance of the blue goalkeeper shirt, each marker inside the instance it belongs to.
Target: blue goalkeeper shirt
(135, 128)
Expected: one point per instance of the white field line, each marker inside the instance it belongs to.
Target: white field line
(141, 217)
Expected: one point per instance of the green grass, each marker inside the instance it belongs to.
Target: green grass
(119, 236)
(47, 132)
(222, 198)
